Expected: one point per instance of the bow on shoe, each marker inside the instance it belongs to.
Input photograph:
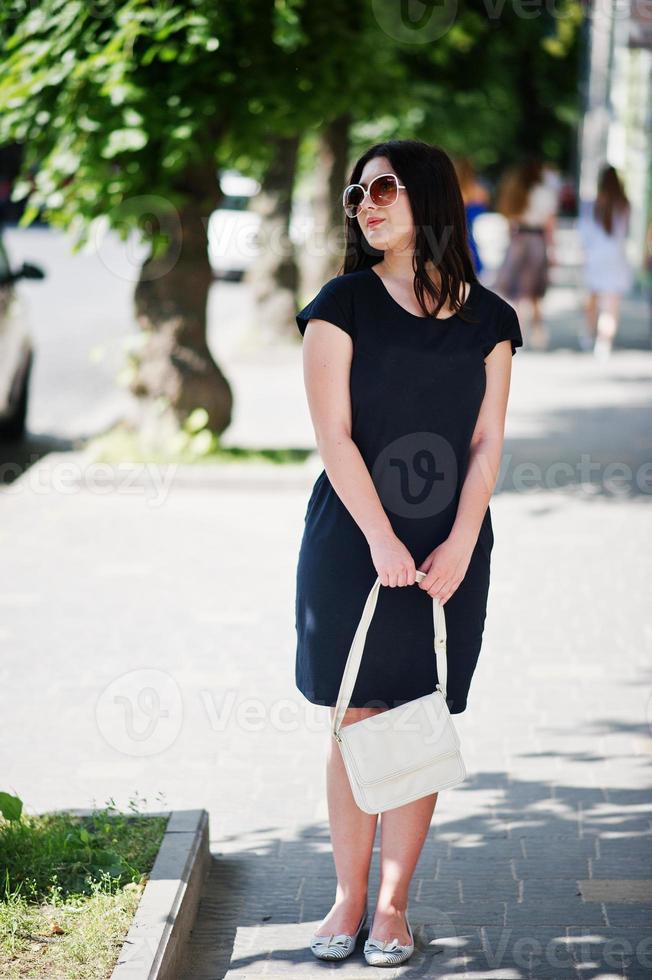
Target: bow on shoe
(341, 939)
(386, 945)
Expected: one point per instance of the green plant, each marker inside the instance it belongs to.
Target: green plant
(74, 852)
(11, 807)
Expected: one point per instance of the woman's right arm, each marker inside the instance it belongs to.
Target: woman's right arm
(327, 355)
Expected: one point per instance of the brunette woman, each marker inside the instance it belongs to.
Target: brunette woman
(407, 361)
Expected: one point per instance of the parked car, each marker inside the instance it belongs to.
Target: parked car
(233, 243)
(16, 348)
(233, 228)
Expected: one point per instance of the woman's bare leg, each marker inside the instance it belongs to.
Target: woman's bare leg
(591, 310)
(589, 329)
(607, 324)
(537, 320)
(537, 326)
(608, 318)
(352, 836)
(403, 832)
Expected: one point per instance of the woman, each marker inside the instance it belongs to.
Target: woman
(476, 202)
(407, 361)
(603, 227)
(529, 202)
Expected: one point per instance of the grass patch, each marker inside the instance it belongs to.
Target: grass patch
(70, 888)
(192, 443)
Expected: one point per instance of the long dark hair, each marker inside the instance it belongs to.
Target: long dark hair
(611, 198)
(439, 218)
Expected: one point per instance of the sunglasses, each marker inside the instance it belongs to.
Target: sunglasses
(383, 192)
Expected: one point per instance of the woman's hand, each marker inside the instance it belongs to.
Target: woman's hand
(445, 568)
(393, 562)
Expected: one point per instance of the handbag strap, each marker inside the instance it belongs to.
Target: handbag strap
(354, 658)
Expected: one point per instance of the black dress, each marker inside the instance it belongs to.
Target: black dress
(416, 387)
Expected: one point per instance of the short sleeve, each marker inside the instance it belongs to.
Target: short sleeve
(332, 303)
(506, 327)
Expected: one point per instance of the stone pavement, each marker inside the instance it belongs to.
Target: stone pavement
(147, 638)
(539, 865)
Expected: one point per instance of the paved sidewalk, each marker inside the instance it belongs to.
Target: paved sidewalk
(148, 645)
(539, 865)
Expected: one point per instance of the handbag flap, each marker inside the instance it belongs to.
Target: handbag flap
(408, 737)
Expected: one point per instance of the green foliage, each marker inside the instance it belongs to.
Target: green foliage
(117, 100)
(11, 807)
(500, 83)
(192, 442)
(72, 852)
(70, 888)
(139, 97)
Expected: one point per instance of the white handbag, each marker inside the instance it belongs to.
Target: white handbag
(400, 754)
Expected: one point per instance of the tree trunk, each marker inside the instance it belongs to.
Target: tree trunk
(330, 179)
(175, 368)
(273, 277)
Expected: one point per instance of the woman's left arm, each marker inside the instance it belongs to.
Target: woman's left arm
(447, 564)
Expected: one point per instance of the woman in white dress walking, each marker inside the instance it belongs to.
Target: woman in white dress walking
(603, 227)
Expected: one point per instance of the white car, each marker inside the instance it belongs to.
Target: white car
(233, 243)
(233, 228)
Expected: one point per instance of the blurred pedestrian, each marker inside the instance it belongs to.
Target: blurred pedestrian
(603, 227)
(529, 202)
(476, 201)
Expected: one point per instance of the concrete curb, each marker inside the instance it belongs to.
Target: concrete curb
(156, 945)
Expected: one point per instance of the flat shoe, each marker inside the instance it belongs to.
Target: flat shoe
(379, 952)
(336, 947)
